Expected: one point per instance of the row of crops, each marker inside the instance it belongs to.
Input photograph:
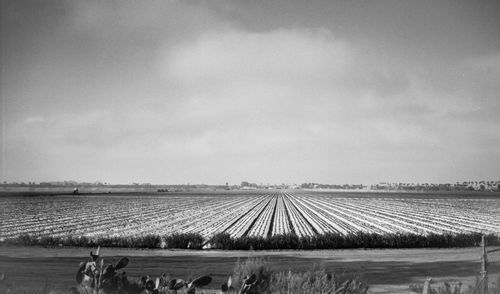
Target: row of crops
(261, 214)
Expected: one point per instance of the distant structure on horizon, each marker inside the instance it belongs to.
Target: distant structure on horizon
(492, 186)
(485, 186)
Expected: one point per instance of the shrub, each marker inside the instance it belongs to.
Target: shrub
(316, 280)
(184, 240)
(253, 266)
(222, 241)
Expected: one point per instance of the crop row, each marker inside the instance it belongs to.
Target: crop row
(250, 214)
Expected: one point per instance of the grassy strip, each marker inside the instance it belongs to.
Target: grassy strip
(177, 240)
(289, 241)
(351, 241)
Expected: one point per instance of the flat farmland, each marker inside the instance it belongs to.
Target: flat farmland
(248, 213)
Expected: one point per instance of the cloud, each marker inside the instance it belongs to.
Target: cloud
(34, 119)
(284, 80)
(237, 55)
(487, 63)
(483, 74)
(305, 90)
(171, 93)
(295, 102)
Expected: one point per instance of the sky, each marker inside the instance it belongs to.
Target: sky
(176, 92)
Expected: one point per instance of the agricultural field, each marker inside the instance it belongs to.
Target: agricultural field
(247, 213)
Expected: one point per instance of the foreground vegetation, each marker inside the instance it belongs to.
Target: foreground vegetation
(287, 241)
(315, 280)
(455, 288)
(252, 276)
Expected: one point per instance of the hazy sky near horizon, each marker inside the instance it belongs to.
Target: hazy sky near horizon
(262, 91)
